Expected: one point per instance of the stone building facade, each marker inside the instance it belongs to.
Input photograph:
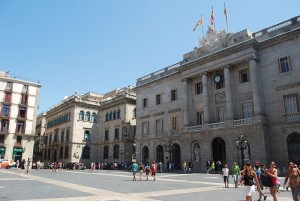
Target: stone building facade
(19, 100)
(90, 128)
(233, 98)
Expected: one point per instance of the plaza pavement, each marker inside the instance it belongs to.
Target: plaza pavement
(112, 185)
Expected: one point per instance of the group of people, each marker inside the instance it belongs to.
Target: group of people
(261, 177)
(188, 167)
(25, 165)
(144, 168)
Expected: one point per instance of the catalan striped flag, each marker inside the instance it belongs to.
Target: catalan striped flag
(199, 23)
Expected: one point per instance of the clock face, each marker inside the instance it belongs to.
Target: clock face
(217, 78)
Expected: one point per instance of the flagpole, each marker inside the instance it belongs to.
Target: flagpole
(225, 13)
(202, 27)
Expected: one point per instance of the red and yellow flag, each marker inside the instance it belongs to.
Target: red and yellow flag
(199, 23)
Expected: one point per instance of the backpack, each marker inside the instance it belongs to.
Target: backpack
(153, 168)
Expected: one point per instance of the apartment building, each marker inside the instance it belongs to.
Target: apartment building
(19, 100)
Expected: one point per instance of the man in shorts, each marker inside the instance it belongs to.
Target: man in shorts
(134, 169)
(225, 173)
(153, 170)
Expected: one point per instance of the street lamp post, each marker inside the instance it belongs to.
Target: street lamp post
(134, 150)
(241, 144)
(169, 148)
(122, 151)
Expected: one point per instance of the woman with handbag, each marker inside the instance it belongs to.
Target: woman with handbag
(272, 172)
(294, 175)
(249, 180)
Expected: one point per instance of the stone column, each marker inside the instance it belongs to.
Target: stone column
(255, 86)
(205, 98)
(185, 103)
(228, 89)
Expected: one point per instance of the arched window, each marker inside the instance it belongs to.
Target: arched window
(81, 115)
(105, 152)
(88, 116)
(116, 151)
(61, 152)
(110, 116)
(106, 116)
(118, 114)
(94, 117)
(67, 152)
(114, 115)
(293, 143)
(86, 152)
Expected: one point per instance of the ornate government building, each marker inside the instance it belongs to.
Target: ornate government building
(233, 98)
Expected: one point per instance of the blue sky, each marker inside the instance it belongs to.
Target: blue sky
(100, 45)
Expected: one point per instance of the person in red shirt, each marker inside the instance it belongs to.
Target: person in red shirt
(153, 170)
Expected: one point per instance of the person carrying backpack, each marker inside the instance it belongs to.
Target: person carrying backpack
(147, 170)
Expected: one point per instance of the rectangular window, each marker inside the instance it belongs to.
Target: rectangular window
(50, 139)
(62, 136)
(6, 110)
(86, 152)
(4, 126)
(247, 110)
(158, 126)
(19, 140)
(86, 135)
(9, 86)
(7, 97)
(22, 112)
(145, 128)
(174, 123)
(244, 76)
(106, 135)
(46, 140)
(116, 133)
(284, 64)
(2, 139)
(158, 99)
(25, 89)
(173, 95)
(198, 88)
(199, 117)
(145, 102)
(222, 114)
(24, 99)
(20, 127)
(68, 135)
(291, 105)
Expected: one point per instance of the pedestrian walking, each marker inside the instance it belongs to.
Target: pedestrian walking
(141, 170)
(184, 167)
(213, 166)
(153, 170)
(225, 173)
(134, 168)
(28, 165)
(235, 174)
(293, 174)
(249, 176)
(161, 166)
(272, 172)
(22, 166)
(147, 170)
(208, 167)
(258, 172)
(190, 166)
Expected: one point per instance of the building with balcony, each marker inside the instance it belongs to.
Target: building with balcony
(19, 100)
(89, 128)
(233, 86)
(38, 139)
(118, 126)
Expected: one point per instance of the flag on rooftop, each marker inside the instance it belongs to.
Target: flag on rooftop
(212, 18)
(225, 11)
(199, 23)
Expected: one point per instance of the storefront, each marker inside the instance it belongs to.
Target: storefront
(17, 154)
(2, 152)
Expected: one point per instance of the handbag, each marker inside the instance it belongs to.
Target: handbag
(267, 181)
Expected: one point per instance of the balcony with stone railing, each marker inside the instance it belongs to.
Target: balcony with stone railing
(292, 117)
(194, 128)
(241, 122)
(217, 125)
